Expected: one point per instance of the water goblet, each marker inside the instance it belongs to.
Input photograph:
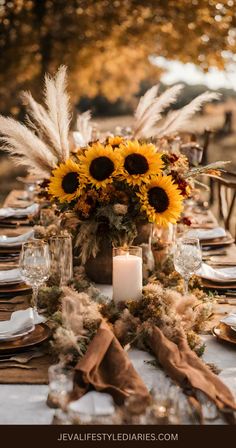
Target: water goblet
(187, 258)
(35, 265)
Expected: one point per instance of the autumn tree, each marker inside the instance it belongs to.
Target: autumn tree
(106, 44)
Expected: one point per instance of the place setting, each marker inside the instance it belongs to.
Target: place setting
(220, 278)
(15, 217)
(12, 283)
(212, 239)
(226, 329)
(25, 328)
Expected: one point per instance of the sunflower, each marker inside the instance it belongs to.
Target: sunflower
(100, 164)
(65, 182)
(139, 162)
(115, 141)
(161, 200)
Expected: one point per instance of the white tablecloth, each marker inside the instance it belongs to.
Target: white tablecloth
(23, 404)
(26, 404)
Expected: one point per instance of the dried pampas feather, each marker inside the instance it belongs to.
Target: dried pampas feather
(150, 108)
(57, 101)
(26, 148)
(84, 129)
(145, 101)
(177, 120)
(40, 121)
(78, 306)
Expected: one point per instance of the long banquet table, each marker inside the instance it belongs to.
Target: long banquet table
(26, 404)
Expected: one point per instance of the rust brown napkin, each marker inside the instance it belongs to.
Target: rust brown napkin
(184, 367)
(106, 367)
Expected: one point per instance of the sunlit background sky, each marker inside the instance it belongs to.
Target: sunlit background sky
(191, 74)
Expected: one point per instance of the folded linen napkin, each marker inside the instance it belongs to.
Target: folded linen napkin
(187, 369)
(230, 320)
(107, 368)
(14, 240)
(11, 275)
(206, 234)
(20, 321)
(219, 275)
(7, 212)
(93, 403)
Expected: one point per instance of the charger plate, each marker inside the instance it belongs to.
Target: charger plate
(214, 285)
(225, 241)
(40, 334)
(17, 290)
(4, 251)
(224, 333)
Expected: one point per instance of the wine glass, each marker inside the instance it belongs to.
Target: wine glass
(187, 258)
(35, 265)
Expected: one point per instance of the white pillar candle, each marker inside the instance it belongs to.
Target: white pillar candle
(127, 277)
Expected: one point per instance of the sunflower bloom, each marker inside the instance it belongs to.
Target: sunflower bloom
(66, 183)
(115, 141)
(161, 200)
(100, 164)
(139, 162)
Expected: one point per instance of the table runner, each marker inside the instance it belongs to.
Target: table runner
(39, 376)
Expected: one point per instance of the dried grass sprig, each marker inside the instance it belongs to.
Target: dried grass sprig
(151, 107)
(57, 101)
(206, 170)
(26, 148)
(177, 120)
(41, 122)
(83, 133)
(80, 320)
(88, 240)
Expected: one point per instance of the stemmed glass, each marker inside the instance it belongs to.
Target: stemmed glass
(187, 258)
(35, 265)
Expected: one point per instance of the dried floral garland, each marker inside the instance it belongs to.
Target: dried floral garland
(161, 307)
(77, 311)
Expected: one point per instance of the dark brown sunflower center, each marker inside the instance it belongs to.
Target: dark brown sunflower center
(158, 199)
(101, 168)
(136, 164)
(70, 183)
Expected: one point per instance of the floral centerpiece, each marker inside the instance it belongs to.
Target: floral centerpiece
(113, 188)
(108, 186)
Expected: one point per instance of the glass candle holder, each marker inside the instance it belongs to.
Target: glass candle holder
(127, 275)
(61, 259)
(60, 385)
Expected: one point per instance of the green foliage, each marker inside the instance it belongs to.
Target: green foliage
(49, 299)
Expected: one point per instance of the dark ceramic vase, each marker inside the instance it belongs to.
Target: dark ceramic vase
(99, 268)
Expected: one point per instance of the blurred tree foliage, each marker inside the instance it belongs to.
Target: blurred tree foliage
(107, 44)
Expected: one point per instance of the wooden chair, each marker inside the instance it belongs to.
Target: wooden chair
(226, 188)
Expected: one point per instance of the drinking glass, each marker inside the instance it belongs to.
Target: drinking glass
(61, 258)
(187, 258)
(35, 265)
